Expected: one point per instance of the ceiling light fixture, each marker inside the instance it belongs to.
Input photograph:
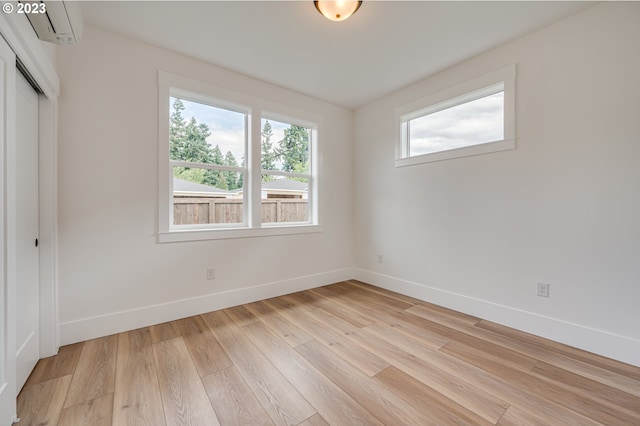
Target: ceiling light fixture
(337, 10)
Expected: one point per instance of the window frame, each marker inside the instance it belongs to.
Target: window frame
(221, 104)
(468, 91)
(268, 115)
(255, 108)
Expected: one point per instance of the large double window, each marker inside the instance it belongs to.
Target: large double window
(233, 165)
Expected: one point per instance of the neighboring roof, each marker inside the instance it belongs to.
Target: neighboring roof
(181, 185)
(286, 184)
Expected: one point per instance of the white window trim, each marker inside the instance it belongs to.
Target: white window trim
(255, 108)
(468, 90)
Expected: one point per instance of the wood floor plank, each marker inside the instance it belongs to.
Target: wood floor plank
(379, 290)
(598, 374)
(458, 316)
(575, 382)
(184, 399)
(340, 354)
(578, 354)
(137, 399)
(63, 364)
(165, 331)
(385, 405)
(420, 335)
(208, 356)
(504, 357)
(471, 336)
(241, 315)
(307, 298)
(333, 335)
(354, 291)
(383, 313)
(284, 404)
(615, 379)
(482, 337)
(450, 385)
(591, 370)
(440, 409)
(516, 417)
(407, 342)
(327, 300)
(432, 313)
(431, 364)
(97, 412)
(304, 318)
(95, 373)
(440, 310)
(233, 400)
(287, 306)
(41, 403)
(285, 329)
(335, 406)
(315, 420)
(575, 401)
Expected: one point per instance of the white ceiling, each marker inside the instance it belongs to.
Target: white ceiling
(383, 47)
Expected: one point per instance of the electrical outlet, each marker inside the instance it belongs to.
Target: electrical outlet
(211, 273)
(543, 289)
(380, 258)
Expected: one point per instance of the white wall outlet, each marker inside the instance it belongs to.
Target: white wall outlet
(380, 258)
(543, 289)
(211, 273)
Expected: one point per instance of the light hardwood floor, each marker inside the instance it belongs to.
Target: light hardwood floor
(343, 354)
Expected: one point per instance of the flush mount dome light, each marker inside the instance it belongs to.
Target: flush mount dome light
(337, 10)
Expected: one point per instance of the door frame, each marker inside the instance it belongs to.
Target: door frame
(19, 34)
(7, 273)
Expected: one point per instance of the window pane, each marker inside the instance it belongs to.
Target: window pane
(202, 133)
(284, 199)
(285, 147)
(202, 196)
(471, 123)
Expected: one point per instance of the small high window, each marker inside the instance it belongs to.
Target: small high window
(473, 118)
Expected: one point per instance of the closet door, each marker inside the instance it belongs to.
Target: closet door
(7, 275)
(27, 253)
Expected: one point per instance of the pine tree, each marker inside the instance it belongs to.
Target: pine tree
(216, 156)
(188, 142)
(231, 177)
(268, 160)
(176, 130)
(195, 146)
(294, 149)
(216, 178)
(240, 182)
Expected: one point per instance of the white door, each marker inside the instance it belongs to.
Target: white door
(7, 282)
(27, 275)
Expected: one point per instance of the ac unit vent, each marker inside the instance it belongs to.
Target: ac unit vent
(60, 24)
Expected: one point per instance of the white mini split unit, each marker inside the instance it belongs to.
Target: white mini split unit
(61, 23)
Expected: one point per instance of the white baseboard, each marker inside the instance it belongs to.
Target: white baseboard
(600, 342)
(104, 325)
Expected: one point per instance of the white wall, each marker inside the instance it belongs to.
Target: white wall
(113, 275)
(477, 233)
(474, 234)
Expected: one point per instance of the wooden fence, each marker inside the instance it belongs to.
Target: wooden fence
(195, 211)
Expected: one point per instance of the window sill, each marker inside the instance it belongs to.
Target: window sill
(222, 234)
(466, 151)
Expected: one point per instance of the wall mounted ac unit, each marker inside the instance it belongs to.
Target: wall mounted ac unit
(61, 23)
